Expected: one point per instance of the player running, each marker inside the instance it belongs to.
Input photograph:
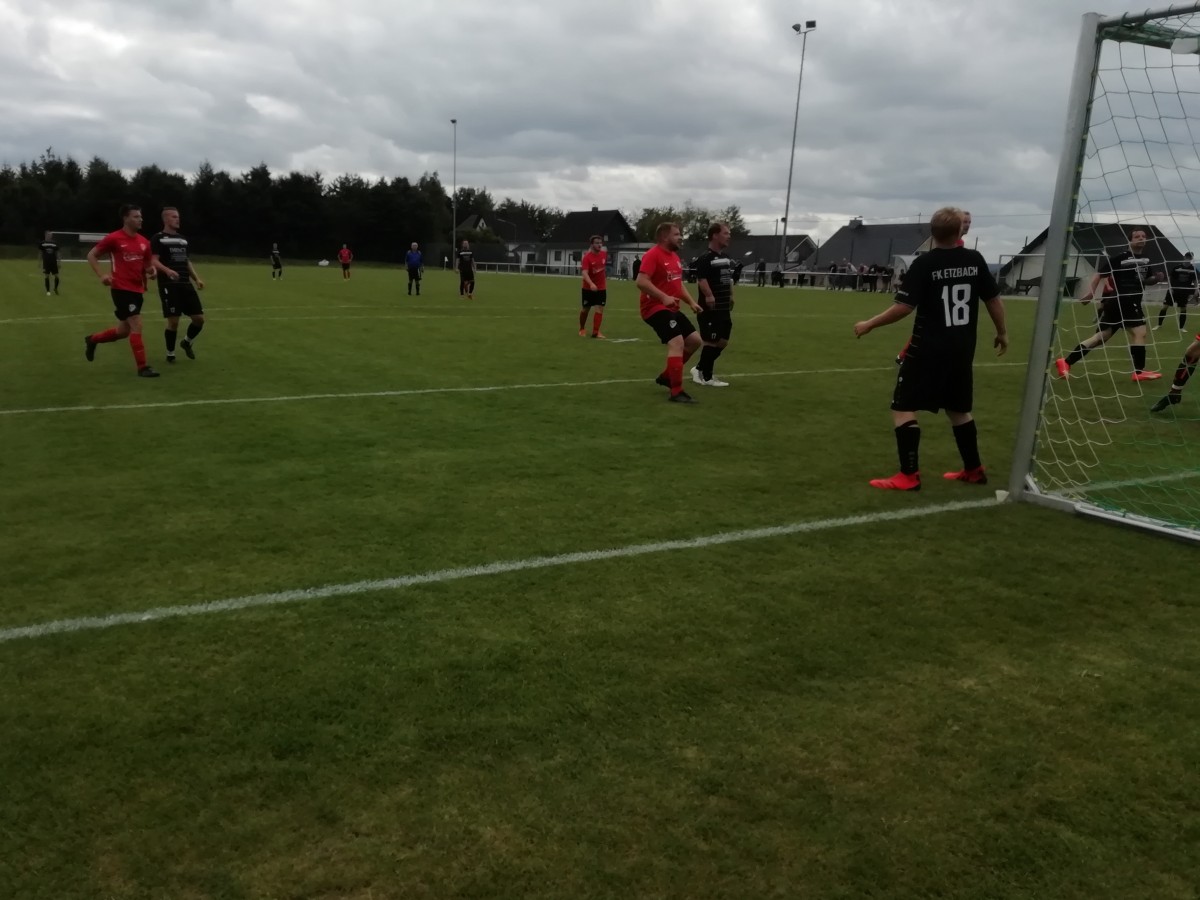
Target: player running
(1128, 271)
(276, 263)
(594, 266)
(466, 271)
(178, 290)
(416, 268)
(49, 251)
(945, 287)
(345, 257)
(1182, 280)
(660, 280)
(714, 283)
(130, 256)
(1183, 373)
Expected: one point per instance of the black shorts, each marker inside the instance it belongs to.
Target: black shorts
(179, 299)
(593, 298)
(715, 324)
(933, 382)
(126, 303)
(465, 278)
(50, 268)
(276, 264)
(345, 267)
(1121, 312)
(670, 323)
(414, 274)
(1179, 296)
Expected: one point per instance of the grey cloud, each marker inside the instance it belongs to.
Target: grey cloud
(626, 103)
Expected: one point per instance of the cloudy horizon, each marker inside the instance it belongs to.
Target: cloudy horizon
(904, 108)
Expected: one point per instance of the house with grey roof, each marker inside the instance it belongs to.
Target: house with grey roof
(1089, 241)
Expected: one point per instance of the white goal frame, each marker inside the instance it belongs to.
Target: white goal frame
(80, 239)
(1096, 29)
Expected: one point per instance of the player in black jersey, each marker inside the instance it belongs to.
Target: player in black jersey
(466, 271)
(714, 280)
(276, 263)
(1181, 277)
(49, 251)
(1127, 272)
(945, 287)
(177, 294)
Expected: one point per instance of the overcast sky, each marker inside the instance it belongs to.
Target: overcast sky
(906, 104)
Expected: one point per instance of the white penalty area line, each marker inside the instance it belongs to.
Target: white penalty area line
(326, 592)
(416, 392)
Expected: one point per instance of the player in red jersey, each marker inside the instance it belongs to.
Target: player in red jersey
(660, 280)
(132, 261)
(962, 242)
(345, 257)
(595, 285)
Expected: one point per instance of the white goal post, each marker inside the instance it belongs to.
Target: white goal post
(1095, 435)
(73, 246)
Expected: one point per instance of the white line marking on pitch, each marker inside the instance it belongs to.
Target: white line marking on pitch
(416, 392)
(95, 623)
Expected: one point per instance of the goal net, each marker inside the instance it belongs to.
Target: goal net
(1088, 439)
(73, 246)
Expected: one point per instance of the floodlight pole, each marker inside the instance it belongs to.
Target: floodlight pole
(454, 193)
(803, 31)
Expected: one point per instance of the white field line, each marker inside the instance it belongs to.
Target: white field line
(95, 623)
(415, 392)
(287, 313)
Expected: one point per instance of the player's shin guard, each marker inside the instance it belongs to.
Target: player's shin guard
(105, 337)
(46, 281)
(908, 446)
(596, 320)
(139, 350)
(583, 314)
(1182, 374)
(1137, 352)
(193, 331)
(967, 438)
(675, 374)
(56, 291)
(169, 336)
(708, 356)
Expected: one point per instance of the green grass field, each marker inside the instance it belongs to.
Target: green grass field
(986, 702)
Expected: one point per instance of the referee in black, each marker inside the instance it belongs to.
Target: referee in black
(714, 278)
(49, 251)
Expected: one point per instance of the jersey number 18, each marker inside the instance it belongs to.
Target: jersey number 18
(956, 301)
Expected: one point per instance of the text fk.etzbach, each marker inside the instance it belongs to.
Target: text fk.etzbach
(964, 272)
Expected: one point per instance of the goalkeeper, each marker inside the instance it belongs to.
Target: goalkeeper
(1190, 357)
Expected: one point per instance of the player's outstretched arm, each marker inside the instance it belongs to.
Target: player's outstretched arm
(995, 308)
(889, 316)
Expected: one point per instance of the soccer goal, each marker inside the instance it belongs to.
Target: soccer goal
(1130, 162)
(73, 246)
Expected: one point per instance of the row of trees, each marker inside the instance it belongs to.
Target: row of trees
(307, 215)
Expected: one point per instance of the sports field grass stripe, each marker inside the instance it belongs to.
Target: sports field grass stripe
(414, 392)
(96, 623)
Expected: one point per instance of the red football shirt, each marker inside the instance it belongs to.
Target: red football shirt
(595, 264)
(344, 255)
(665, 272)
(130, 255)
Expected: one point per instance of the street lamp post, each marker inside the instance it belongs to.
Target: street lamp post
(803, 31)
(454, 193)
